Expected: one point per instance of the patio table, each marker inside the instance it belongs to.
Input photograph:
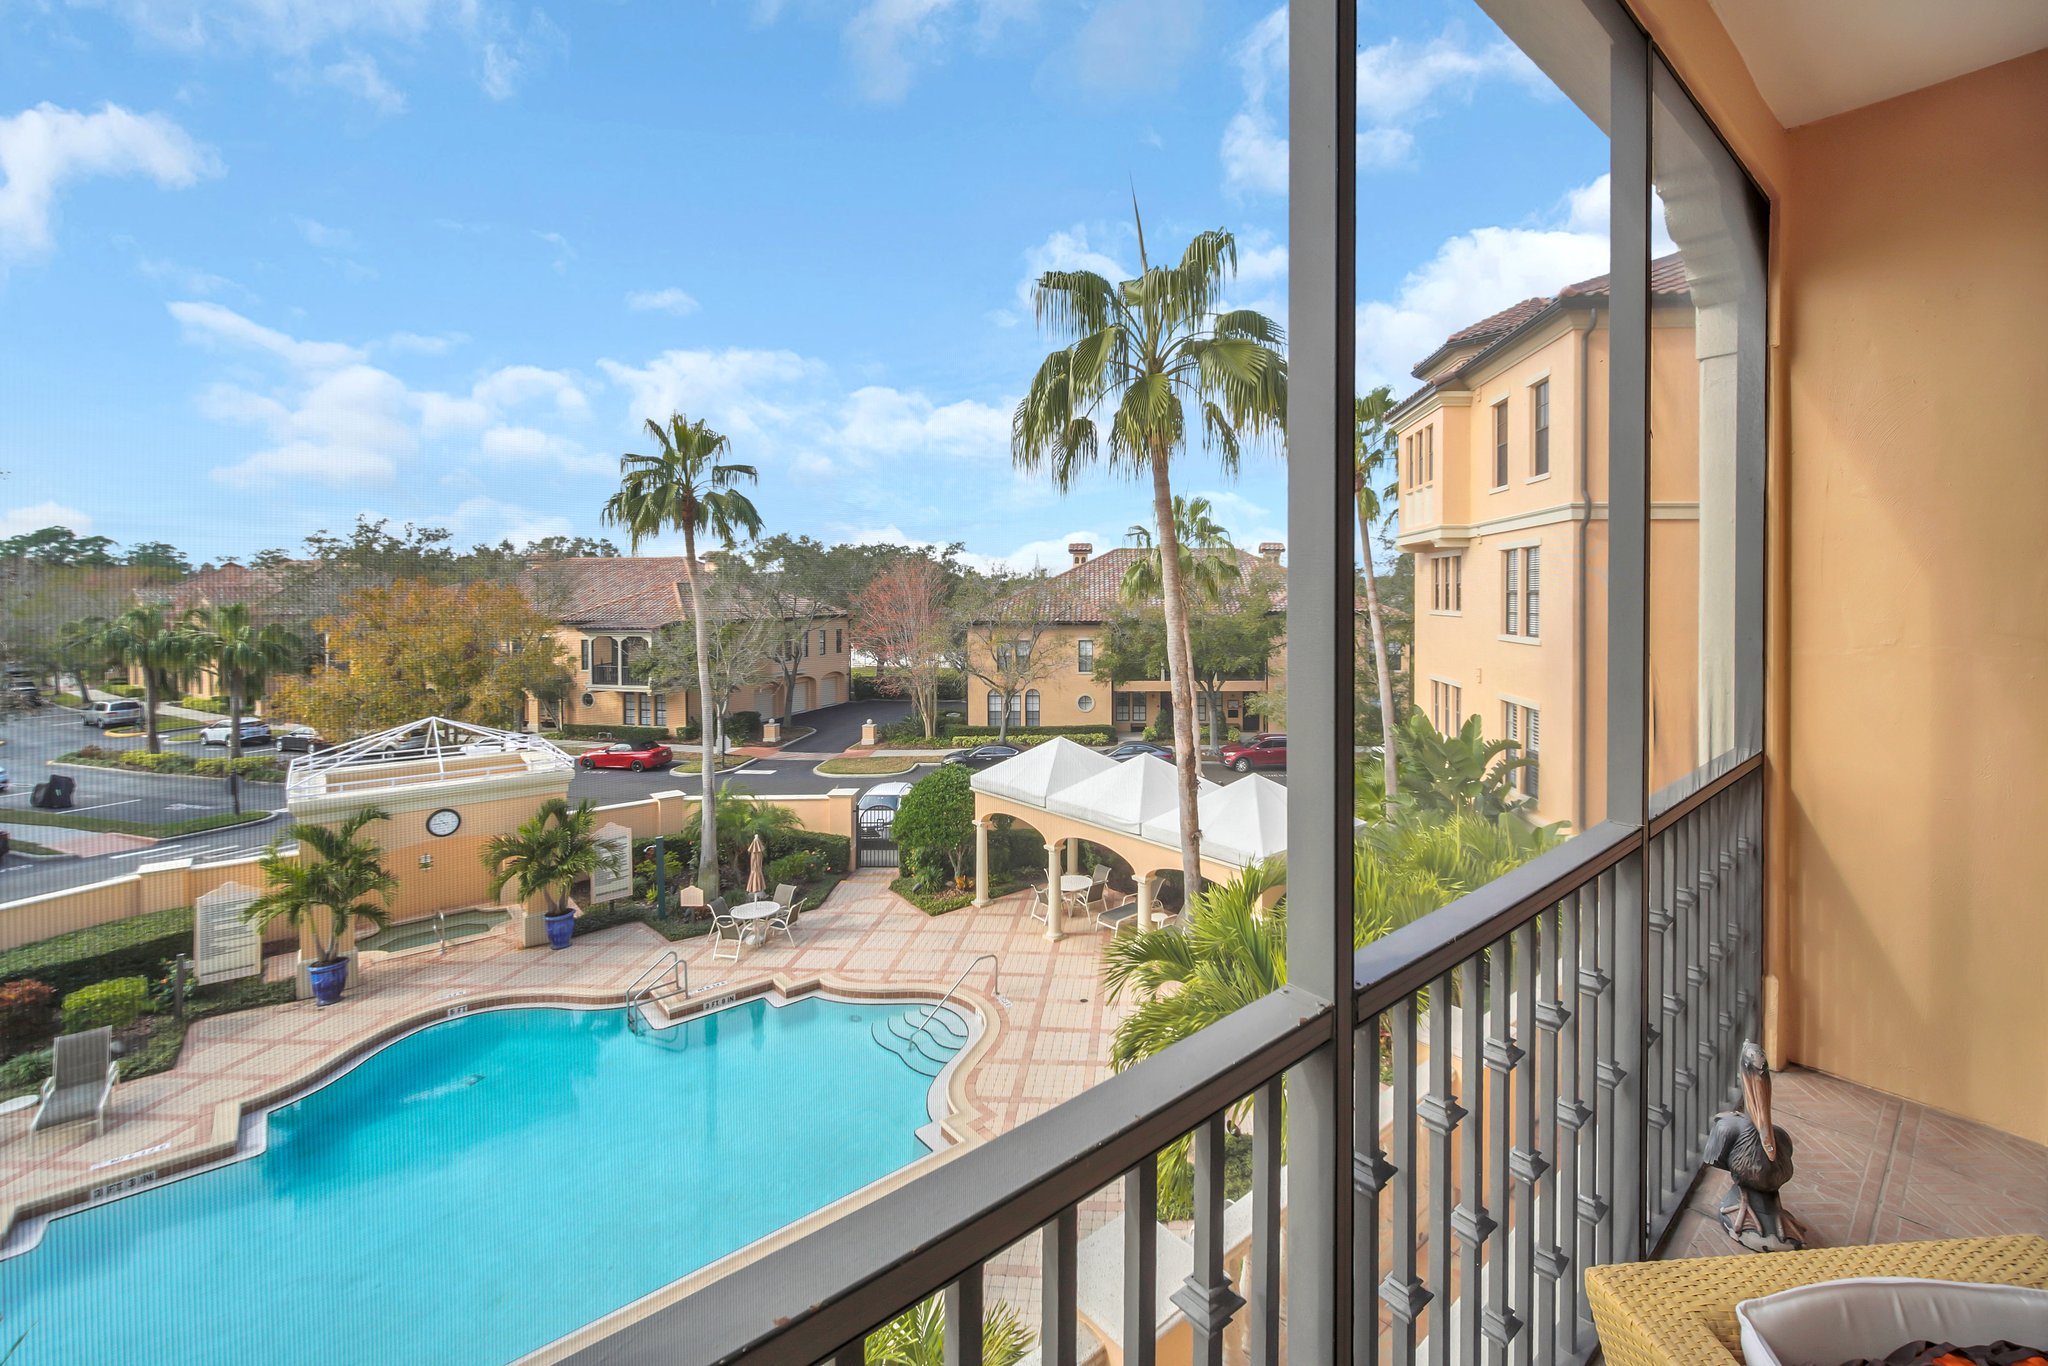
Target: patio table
(1073, 883)
(752, 915)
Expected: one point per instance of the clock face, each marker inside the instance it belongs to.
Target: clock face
(444, 822)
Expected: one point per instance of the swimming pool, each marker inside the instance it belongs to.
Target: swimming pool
(478, 1189)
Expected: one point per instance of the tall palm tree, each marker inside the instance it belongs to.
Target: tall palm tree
(1140, 352)
(346, 878)
(1208, 559)
(687, 486)
(148, 639)
(1374, 455)
(243, 654)
(80, 646)
(549, 853)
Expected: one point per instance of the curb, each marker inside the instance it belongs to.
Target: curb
(916, 764)
(146, 773)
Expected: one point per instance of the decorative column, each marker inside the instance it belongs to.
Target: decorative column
(1144, 901)
(981, 860)
(868, 738)
(1055, 904)
(1073, 856)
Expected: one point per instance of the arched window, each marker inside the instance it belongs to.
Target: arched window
(1031, 707)
(995, 707)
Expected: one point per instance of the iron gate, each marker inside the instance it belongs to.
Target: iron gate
(873, 838)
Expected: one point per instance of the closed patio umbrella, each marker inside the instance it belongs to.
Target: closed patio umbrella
(757, 868)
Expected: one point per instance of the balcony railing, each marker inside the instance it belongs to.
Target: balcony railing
(1536, 1065)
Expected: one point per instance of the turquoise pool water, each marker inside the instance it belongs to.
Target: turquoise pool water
(475, 1191)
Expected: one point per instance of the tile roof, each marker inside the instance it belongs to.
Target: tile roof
(1089, 592)
(1667, 278)
(1507, 320)
(626, 592)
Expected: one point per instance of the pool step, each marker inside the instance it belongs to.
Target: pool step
(924, 1044)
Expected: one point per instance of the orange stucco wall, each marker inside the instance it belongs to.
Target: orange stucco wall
(1908, 636)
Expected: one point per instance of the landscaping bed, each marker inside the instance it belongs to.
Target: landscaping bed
(110, 825)
(871, 763)
(951, 898)
(255, 768)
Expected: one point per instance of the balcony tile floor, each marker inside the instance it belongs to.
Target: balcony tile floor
(1872, 1168)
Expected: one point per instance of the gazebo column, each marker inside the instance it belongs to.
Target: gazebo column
(981, 860)
(1144, 901)
(1073, 856)
(1055, 904)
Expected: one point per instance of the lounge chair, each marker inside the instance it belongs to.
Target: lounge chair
(722, 922)
(82, 1072)
(1123, 914)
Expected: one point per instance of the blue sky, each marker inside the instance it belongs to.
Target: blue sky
(268, 264)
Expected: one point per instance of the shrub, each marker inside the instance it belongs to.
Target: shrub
(165, 762)
(120, 948)
(835, 850)
(217, 705)
(135, 690)
(257, 768)
(119, 1002)
(936, 821)
(28, 1013)
(652, 734)
(743, 727)
(27, 1073)
(1088, 735)
(804, 866)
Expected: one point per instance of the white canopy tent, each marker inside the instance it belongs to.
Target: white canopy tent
(1033, 776)
(1128, 797)
(1241, 823)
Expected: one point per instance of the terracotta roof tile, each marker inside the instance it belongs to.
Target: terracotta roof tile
(1089, 593)
(1667, 277)
(1507, 320)
(626, 592)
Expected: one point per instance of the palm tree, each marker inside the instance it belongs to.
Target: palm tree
(687, 487)
(917, 1337)
(1208, 559)
(1448, 775)
(147, 639)
(1140, 352)
(80, 646)
(243, 656)
(347, 880)
(1374, 454)
(549, 853)
(744, 816)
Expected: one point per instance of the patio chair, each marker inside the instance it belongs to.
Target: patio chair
(1037, 911)
(82, 1071)
(1123, 915)
(786, 898)
(722, 923)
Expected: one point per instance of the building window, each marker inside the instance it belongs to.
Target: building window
(1408, 460)
(586, 656)
(1500, 444)
(1119, 706)
(1031, 707)
(1447, 583)
(1085, 702)
(1429, 455)
(838, 640)
(1446, 706)
(661, 709)
(1521, 726)
(1539, 459)
(1084, 656)
(1521, 592)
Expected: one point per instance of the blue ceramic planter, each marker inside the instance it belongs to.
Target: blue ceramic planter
(328, 979)
(561, 929)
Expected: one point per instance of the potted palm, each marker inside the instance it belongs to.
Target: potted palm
(343, 881)
(546, 856)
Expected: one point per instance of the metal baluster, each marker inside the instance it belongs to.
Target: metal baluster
(1610, 1067)
(1721, 970)
(1592, 1207)
(1502, 1056)
(1656, 1084)
(1057, 1287)
(1370, 1173)
(1403, 1290)
(1141, 1263)
(1206, 1297)
(963, 1319)
(1470, 1220)
(1440, 1112)
(1527, 1161)
(1560, 963)
(1699, 1101)
(1265, 1268)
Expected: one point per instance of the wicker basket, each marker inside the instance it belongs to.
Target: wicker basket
(1682, 1313)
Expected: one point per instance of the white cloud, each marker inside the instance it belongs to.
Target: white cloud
(1400, 84)
(1167, 32)
(187, 279)
(745, 394)
(35, 516)
(881, 421)
(358, 75)
(564, 253)
(43, 147)
(530, 445)
(349, 427)
(212, 323)
(670, 300)
(886, 39)
(1049, 554)
(1074, 248)
(1247, 521)
(1260, 265)
(320, 235)
(424, 344)
(505, 389)
(1475, 274)
(490, 520)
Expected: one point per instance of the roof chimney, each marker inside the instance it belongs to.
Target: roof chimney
(1272, 550)
(1080, 550)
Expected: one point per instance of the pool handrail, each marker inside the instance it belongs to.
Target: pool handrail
(995, 985)
(642, 990)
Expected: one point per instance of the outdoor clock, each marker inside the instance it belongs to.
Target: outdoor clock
(446, 821)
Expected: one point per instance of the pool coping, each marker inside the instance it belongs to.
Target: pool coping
(230, 1116)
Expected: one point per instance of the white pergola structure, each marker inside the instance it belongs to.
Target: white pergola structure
(1070, 794)
(433, 750)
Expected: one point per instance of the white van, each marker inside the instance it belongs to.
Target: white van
(120, 711)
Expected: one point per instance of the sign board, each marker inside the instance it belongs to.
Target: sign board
(225, 945)
(614, 880)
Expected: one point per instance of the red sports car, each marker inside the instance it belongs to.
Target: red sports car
(635, 757)
(1256, 751)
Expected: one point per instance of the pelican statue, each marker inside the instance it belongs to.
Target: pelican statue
(1758, 1159)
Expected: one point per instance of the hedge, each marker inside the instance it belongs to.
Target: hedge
(1023, 739)
(121, 948)
(259, 768)
(659, 735)
(217, 705)
(119, 1003)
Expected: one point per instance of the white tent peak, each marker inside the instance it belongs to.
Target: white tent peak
(1037, 773)
(1128, 796)
(1245, 821)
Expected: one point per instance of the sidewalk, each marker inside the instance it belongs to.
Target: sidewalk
(81, 843)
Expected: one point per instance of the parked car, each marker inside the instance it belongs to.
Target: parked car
(254, 732)
(981, 756)
(1131, 749)
(635, 757)
(118, 711)
(882, 800)
(22, 692)
(1256, 751)
(301, 740)
(3, 779)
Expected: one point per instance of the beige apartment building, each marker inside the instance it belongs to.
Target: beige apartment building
(1503, 503)
(609, 610)
(1085, 603)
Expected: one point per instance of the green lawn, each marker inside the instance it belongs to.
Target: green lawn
(113, 826)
